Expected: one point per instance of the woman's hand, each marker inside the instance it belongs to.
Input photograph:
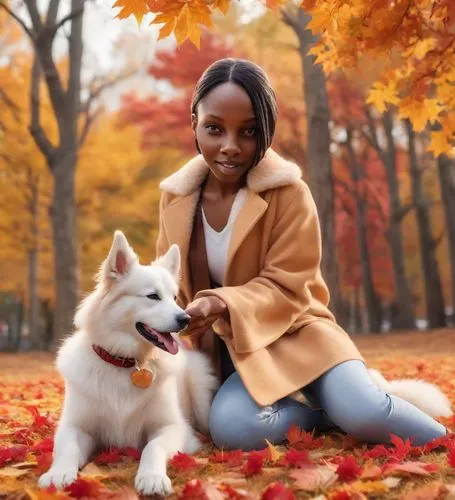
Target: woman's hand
(204, 312)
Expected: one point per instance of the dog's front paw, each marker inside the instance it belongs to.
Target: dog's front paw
(153, 484)
(58, 477)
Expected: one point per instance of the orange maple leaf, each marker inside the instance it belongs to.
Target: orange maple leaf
(137, 8)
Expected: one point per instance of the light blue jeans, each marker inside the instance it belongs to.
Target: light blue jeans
(349, 400)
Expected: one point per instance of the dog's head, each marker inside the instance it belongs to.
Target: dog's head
(134, 304)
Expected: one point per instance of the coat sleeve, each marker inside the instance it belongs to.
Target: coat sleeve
(290, 283)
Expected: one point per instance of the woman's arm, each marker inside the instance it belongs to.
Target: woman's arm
(289, 284)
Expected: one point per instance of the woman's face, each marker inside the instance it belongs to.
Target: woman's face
(225, 128)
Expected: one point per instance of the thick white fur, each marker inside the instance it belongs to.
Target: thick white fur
(428, 397)
(102, 407)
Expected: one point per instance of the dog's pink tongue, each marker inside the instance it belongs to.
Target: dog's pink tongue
(168, 341)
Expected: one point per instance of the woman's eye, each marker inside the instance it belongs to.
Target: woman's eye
(250, 132)
(213, 129)
(154, 296)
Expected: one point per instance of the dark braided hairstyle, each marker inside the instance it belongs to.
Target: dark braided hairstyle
(256, 84)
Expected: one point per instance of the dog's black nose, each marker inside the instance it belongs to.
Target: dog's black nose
(183, 320)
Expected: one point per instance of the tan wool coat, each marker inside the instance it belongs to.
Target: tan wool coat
(280, 334)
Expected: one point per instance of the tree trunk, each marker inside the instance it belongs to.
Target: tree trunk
(404, 319)
(373, 308)
(446, 169)
(63, 216)
(433, 287)
(33, 319)
(61, 158)
(319, 160)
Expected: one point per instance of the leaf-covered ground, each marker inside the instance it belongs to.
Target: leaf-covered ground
(332, 466)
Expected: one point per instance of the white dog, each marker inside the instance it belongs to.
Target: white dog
(126, 381)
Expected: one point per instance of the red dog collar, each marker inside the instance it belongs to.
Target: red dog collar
(113, 360)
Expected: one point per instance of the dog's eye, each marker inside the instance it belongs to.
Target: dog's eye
(154, 296)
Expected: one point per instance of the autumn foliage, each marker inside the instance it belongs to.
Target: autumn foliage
(333, 464)
(411, 41)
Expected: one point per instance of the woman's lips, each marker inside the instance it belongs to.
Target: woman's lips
(228, 164)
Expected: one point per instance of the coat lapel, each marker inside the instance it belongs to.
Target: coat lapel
(251, 211)
(178, 218)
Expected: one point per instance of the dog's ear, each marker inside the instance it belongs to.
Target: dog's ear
(119, 260)
(171, 261)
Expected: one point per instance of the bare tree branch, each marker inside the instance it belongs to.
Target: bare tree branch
(402, 212)
(35, 126)
(27, 30)
(88, 122)
(34, 15)
(74, 74)
(52, 12)
(11, 104)
(94, 94)
(439, 239)
(289, 19)
(67, 18)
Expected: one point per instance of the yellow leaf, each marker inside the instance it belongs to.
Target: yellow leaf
(92, 471)
(181, 26)
(439, 144)
(137, 8)
(11, 472)
(167, 29)
(201, 14)
(222, 5)
(320, 19)
(381, 94)
(162, 18)
(419, 111)
(274, 4)
(36, 494)
(422, 47)
(275, 453)
(194, 32)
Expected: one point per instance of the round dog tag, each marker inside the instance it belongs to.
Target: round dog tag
(142, 378)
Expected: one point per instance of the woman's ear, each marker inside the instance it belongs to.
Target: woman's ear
(193, 122)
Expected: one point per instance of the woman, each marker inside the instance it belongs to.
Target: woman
(249, 234)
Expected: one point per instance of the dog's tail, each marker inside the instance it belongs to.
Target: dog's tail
(427, 397)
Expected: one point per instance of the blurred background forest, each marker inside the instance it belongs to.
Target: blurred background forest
(95, 112)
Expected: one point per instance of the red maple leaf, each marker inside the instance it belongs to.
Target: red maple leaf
(296, 458)
(443, 441)
(131, 452)
(12, 454)
(348, 469)
(377, 451)
(451, 457)
(111, 456)
(23, 436)
(194, 490)
(39, 421)
(83, 488)
(231, 493)
(183, 462)
(253, 464)
(299, 439)
(230, 458)
(341, 495)
(278, 491)
(44, 446)
(402, 448)
(44, 462)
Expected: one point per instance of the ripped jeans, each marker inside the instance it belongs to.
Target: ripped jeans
(349, 400)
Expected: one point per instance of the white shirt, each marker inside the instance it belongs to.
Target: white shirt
(217, 243)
